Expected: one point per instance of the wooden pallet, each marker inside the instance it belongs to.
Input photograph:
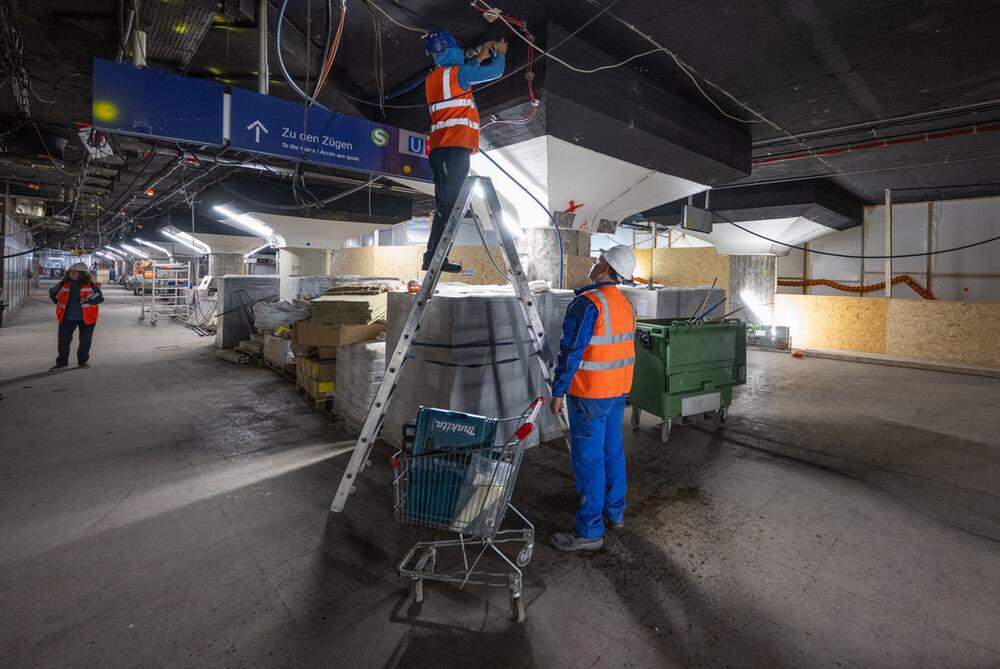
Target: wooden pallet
(287, 371)
(320, 404)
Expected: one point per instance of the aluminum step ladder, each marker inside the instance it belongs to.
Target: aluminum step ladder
(473, 187)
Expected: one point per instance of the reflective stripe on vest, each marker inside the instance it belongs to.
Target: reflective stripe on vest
(608, 360)
(451, 104)
(452, 122)
(454, 116)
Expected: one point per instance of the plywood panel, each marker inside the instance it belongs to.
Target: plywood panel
(689, 268)
(845, 323)
(643, 262)
(945, 330)
(359, 261)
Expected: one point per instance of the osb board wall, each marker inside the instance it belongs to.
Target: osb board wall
(689, 268)
(359, 261)
(944, 330)
(643, 262)
(404, 262)
(845, 323)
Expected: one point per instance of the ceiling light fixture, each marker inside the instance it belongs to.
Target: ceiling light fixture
(134, 250)
(188, 241)
(152, 246)
(246, 221)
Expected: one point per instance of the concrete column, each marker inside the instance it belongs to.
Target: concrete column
(220, 264)
(751, 286)
(542, 250)
(299, 262)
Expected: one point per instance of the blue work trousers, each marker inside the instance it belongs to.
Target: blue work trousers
(598, 455)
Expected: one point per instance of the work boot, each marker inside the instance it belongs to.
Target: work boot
(82, 364)
(571, 542)
(446, 266)
(615, 524)
(55, 368)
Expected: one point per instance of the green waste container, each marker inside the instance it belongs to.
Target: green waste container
(685, 370)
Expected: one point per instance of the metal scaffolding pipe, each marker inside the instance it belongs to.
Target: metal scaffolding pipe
(263, 73)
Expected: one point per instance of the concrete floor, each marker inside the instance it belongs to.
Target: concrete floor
(165, 508)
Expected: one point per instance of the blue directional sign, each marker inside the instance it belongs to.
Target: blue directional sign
(140, 101)
(148, 103)
(283, 128)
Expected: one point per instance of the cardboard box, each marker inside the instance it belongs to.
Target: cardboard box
(307, 333)
(318, 370)
(317, 389)
(277, 351)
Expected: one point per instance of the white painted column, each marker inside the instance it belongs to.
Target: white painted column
(299, 262)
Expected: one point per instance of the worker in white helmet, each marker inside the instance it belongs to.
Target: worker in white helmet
(596, 358)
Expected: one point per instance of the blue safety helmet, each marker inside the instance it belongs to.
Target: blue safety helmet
(437, 43)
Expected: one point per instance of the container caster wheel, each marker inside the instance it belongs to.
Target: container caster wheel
(418, 590)
(665, 430)
(636, 416)
(516, 608)
(723, 415)
(152, 323)
(720, 418)
(524, 557)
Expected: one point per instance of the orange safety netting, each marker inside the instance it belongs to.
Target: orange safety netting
(903, 278)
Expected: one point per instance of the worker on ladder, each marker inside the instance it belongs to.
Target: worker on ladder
(596, 358)
(454, 122)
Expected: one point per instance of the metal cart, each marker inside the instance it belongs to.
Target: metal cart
(686, 370)
(458, 475)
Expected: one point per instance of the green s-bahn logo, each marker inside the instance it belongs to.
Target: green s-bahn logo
(380, 137)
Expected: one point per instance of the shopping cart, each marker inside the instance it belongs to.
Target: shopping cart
(456, 472)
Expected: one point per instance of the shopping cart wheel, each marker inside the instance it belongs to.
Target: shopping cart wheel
(665, 430)
(524, 557)
(516, 608)
(636, 416)
(418, 590)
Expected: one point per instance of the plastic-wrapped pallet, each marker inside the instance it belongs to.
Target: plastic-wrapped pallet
(552, 311)
(360, 368)
(472, 354)
(269, 315)
(673, 302)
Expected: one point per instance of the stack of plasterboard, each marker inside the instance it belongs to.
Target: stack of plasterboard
(337, 310)
(472, 354)
(673, 302)
(360, 368)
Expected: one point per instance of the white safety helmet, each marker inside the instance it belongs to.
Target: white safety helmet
(79, 267)
(621, 260)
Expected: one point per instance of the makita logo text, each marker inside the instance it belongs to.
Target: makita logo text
(454, 428)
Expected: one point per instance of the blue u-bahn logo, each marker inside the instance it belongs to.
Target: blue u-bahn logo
(416, 145)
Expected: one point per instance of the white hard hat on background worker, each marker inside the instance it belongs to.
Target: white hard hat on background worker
(622, 261)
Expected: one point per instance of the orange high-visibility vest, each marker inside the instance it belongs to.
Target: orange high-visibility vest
(608, 360)
(454, 116)
(90, 311)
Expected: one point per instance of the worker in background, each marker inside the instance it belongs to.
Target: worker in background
(76, 298)
(596, 357)
(454, 122)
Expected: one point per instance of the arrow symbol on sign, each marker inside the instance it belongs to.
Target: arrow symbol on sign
(257, 126)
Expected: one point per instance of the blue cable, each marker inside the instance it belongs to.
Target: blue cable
(538, 202)
(281, 59)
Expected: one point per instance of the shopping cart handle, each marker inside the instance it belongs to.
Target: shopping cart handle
(529, 423)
